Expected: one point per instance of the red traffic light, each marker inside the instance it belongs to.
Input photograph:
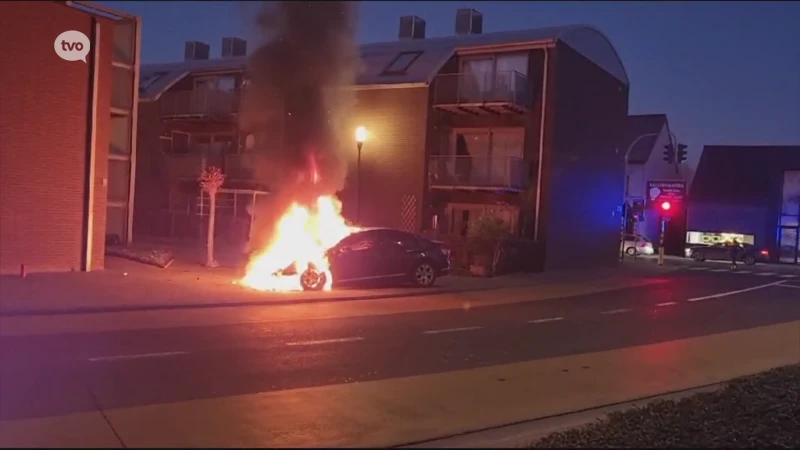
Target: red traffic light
(665, 206)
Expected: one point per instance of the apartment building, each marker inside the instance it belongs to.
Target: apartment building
(67, 135)
(528, 124)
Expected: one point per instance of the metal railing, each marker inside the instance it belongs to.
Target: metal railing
(493, 172)
(509, 87)
(199, 102)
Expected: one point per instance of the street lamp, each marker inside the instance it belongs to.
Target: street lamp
(361, 136)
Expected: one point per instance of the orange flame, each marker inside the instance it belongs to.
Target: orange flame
(302, 237)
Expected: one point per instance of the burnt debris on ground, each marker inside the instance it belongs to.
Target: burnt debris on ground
(752, 412)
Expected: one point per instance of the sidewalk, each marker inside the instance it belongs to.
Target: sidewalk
(129, 286)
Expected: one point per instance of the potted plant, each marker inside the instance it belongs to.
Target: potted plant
(486, 234)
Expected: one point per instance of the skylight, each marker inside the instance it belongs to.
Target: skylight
(148, 81)
(401, 63)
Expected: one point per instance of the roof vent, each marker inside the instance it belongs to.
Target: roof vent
(469, 21)
(233, 47)
(195, 50)
(412, 27)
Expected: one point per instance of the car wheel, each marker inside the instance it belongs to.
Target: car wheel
(630, 251)
(749, 260)
(313, 280)
(424, 275)
(697, 256)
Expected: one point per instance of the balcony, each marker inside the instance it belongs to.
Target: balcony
(182, 167)
(483, 93)
(200, 104)
(478, 173)
(240, 166)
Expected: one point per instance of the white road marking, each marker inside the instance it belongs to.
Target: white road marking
(789, 286)
(616, 311)
(725, 294)
(550, 319)
(451, 330)
(698, 268)
(666, 304)
(743, 271)
(720, 270)
(765, 274)
(326, 341)
(141, 356)
(788, 275)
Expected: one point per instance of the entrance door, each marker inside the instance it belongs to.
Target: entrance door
(788, 245)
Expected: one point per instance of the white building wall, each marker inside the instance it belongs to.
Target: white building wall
(654, 169)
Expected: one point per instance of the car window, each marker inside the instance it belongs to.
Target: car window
(358, 241)
(397, 237)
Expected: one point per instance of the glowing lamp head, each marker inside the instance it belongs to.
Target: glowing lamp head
(361, 135)
(665, 206)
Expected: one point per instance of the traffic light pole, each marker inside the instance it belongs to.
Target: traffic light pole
(622, 231)
(661, 241)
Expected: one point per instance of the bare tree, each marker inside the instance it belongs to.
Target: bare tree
(211, 179)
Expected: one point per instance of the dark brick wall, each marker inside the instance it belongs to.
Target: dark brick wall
(393, 163)
(583, 180)
(44, 104)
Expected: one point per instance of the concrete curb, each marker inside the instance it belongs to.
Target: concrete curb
(523, 434)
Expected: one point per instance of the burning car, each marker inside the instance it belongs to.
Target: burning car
(376, 254)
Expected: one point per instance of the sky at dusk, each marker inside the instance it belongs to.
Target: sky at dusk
(723, 72)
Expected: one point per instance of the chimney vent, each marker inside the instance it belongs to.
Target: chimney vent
(469, 21)
(412, 27)
(233, 47)
(196, 50)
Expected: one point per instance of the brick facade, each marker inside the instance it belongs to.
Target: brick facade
(44, 109)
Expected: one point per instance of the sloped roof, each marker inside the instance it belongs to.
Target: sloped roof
(435, 52)
(638, 126)
(747, 175)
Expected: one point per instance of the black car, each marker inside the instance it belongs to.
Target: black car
(382, 254)
(748, 254)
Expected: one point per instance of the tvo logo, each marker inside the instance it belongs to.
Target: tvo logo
(72, 46)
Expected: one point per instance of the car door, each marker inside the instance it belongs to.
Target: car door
(718, 251)
(397, 253)
(354, 258)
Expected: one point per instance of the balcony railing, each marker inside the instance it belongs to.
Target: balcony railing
(509, 88)
(199, 103)
(470, 172)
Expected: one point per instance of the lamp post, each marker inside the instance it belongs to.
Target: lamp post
(361, 136)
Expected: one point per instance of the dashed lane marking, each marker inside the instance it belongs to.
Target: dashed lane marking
(326, 341)
(789, 286)
(725, 294)
(698, 268)
(549, 319)
(765, 274)
(451, 330)
(617, 311)
(720, 270)
(666, 304)
(788, 275)
(140, 356)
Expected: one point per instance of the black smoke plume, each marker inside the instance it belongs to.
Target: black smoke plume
(299, 102)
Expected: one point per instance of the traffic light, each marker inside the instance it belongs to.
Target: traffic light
(681, 155)
(669, 153)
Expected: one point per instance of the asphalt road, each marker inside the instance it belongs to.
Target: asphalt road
(58, 374)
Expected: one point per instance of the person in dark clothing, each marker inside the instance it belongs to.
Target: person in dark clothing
(734, 250)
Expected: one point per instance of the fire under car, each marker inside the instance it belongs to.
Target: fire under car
(380, 254)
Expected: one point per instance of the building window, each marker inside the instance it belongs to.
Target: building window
(791, 193)
(180, 143)
(401, 63)
(120, 135)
